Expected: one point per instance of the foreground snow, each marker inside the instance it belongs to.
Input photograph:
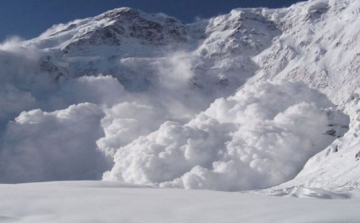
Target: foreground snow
(89, 201)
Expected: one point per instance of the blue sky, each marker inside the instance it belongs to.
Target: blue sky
(29, 18)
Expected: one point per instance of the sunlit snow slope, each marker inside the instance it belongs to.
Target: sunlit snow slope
(217, 104)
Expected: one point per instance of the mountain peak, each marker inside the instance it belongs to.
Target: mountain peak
(113, 28)
(119, 13)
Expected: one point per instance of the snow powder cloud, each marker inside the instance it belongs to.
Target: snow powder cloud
(60, 145)
(260, 137)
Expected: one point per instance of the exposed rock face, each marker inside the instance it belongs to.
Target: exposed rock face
(228, 49)
(112, 27)
(146, 31)
(218, 52)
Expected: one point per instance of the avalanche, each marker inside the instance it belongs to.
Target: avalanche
(260, 137)
(257, 99)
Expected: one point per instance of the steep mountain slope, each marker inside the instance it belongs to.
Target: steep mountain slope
(145, 84)
(318, 45)
(337, 166)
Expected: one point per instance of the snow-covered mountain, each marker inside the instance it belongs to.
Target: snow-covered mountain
(147, 99)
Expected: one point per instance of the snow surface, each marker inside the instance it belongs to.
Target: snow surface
(116, 202)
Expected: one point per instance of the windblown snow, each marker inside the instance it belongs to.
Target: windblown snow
(247, 100)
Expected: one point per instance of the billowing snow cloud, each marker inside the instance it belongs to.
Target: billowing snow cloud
(13, 100)
(127, 116)
(22, 82)
(258, 138)
(100, 90)
(73, 142)
(127, 121)
(60, 145)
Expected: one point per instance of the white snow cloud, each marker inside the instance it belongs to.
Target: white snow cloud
(17, 82)
(127, 121)
(60, 145)
(12, 100)
(100, 90)
(258, 138)
(38, 143)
